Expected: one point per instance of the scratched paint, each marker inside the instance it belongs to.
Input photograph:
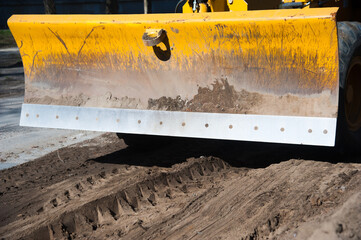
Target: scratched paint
(273, 52)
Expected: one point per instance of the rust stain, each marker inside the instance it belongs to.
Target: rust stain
(334, 15)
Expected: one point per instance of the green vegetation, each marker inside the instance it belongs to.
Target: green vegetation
(6, 39)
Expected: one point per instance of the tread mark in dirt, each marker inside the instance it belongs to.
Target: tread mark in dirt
(127, 202)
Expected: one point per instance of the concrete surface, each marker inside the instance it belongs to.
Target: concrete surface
(22, 144)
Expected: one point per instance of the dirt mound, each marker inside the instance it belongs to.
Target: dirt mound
(342, 224)
(189, 189)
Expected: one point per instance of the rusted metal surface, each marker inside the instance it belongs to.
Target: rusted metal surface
(278, 62)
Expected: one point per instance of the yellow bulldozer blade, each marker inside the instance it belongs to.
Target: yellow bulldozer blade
(269, 76)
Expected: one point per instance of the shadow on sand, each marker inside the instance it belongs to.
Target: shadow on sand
(169, 151)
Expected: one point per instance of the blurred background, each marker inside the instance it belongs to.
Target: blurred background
(10, 7)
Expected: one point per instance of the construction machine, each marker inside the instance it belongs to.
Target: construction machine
(217, 70)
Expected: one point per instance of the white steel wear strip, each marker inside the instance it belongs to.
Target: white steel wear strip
(259, 128)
